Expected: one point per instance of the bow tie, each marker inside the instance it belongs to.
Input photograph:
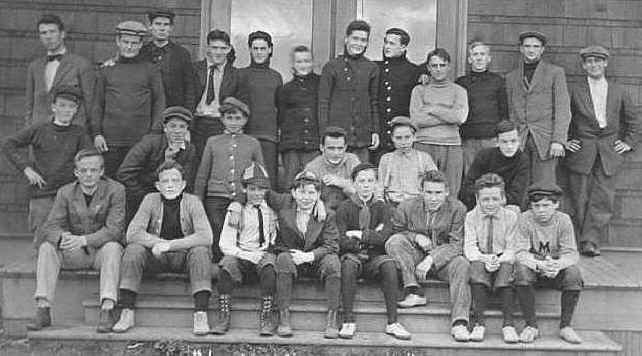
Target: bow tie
(54, 57)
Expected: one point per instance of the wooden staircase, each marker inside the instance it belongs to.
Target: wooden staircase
(164, 317)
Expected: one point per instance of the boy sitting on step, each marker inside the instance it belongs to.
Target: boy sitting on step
(364, 225)
(245, 251)
(546, 254)
(489, 237)
(169, 233)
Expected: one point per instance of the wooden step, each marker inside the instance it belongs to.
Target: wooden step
(149, 340)
(310, 315)
(624, 233)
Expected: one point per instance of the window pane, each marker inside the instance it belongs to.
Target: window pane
(417, 17)
(288, 21)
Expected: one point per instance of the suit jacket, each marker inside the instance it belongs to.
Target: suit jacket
(321, 237)
(541, 108)
(623, 122)
(73, 70)
(100, 222)
(230, 85)
(444, 227)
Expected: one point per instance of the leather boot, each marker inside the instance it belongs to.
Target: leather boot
(41, 320)
(266, 323)
(332, 327)
(222, 322)
(284, 329)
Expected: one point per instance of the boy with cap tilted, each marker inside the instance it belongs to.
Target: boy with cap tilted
(173, 59)
(489, 245)
(137, 172)
(169, 233)
(546, 253)
(364, 224)
(225, 156)
(246, 251)
(605, 124)
(129, 98)
(55, 143)
(400, 171)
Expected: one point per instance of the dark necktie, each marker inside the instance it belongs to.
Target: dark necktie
(211, 95)
(54, 57)
(261, 232)
(489, 240)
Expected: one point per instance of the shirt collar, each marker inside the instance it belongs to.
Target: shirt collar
(600, 81)
(216, 66)
(62, 50)
(228, 132)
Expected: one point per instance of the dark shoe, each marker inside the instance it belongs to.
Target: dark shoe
(223, 317)
(332, 327)
(589, 249)
(266, 319)
(105, 321)
(284, 329)
(41, 320)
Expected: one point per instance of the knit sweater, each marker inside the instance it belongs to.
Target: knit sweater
(438, 108)
(54, 148)
(514, 171)
(260, 83)
(128, 102)
(487, 104)
(332, 195)
(297, 104)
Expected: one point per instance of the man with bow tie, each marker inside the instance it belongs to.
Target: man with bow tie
(58, 68)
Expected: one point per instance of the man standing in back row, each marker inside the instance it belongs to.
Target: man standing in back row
(538, 103)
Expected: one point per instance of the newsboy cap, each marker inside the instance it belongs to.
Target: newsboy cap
(594, 51)
(545, 188)
(162, 12)
(402, 121)
(540, 36)
(232, 103)
(133, 28)
(177, 112)
(68, 92)
(257, 175)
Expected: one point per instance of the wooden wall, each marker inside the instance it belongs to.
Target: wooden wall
(571, 25)
(90, 32)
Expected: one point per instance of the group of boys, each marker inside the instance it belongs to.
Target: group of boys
(398, 222)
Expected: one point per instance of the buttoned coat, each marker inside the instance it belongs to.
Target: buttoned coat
(623, 122)
(348, 98)
(100, 222)
(541, 108)
(230, 85)
(73, 70)
(321, 236)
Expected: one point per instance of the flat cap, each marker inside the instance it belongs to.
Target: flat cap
(162, 12)
(307, 177)
(133, 28)
(402, 121)
(540, 36)
(257, 175)
(594, 51)
(68, 92)
(544, 188)
(362, 167)
(176, 112)
(232, 103)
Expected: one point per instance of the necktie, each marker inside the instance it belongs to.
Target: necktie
(211, 95)
(261, 232)
(54, 57)
(489, 239)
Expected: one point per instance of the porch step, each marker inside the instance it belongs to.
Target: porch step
(141, 340)
(310, 315)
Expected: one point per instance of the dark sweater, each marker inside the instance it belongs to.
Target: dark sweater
(487, 104)
(514, 171)
(529, 70)
(397, 79)
(177, 73)
(260, 83)
(297, 104)
(171, 227)
(129, 100)
(54, 148)
(372, 239)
